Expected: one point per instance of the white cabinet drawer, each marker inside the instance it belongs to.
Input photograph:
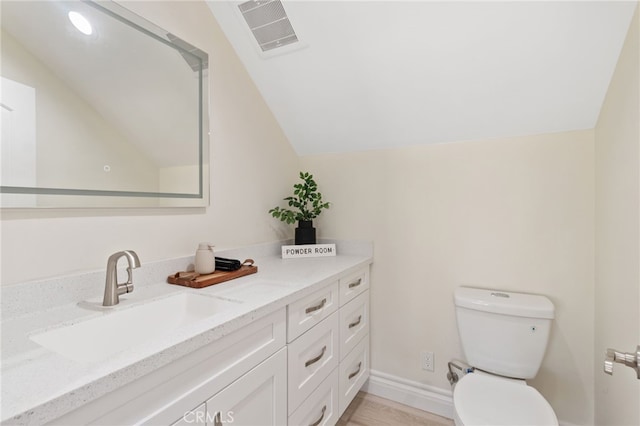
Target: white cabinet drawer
(312, 357)
(321, 408)
(354, 323)
(354, 371)
(309, 311)
(353, 284)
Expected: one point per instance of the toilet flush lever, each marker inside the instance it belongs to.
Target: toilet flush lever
(629, 359)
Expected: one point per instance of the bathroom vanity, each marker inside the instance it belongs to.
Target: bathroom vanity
(288, 345)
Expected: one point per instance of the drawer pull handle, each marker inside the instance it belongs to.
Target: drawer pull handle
(317, 307)
(355, 283)
(355, 373)
(356, 322)
(316, 359)
(217, 420)
(317, 422)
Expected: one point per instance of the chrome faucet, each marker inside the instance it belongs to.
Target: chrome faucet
(112, 290)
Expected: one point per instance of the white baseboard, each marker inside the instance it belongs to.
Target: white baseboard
(414, 394)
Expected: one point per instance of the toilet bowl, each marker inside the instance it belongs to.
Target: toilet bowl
(484, 399)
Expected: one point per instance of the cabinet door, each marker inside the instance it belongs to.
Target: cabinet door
(257, 398)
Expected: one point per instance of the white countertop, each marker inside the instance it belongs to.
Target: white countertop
(39, 385)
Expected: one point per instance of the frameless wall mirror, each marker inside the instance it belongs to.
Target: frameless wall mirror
(100, 108)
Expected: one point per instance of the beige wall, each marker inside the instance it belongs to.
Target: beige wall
(513, 214)
(617, 272)
(253, 166)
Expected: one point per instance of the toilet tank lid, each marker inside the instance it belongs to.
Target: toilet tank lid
(504, 302)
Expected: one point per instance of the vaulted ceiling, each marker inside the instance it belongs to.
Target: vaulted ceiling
(377, 74)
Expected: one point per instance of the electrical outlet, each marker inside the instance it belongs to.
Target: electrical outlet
(426, 360)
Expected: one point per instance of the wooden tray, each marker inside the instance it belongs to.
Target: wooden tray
(195, 280)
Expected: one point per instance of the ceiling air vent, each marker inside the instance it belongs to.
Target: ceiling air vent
(269, 23)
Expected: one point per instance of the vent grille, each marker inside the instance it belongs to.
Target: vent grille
(269, 23)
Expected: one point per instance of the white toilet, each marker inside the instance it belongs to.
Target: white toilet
(504, 337)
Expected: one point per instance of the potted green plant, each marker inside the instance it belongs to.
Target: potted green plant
(306, 204)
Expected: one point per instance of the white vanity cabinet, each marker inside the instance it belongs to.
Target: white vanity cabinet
(329, 356)
(301, 365)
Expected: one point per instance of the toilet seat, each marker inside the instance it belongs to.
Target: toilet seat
(483, 399)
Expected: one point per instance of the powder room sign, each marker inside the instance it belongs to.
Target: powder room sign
(308, 250)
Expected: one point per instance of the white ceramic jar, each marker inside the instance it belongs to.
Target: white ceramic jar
(205, 259)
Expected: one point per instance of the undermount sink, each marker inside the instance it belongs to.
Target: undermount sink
(98, 338)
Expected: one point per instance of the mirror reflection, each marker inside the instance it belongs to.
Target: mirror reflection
(99, 108)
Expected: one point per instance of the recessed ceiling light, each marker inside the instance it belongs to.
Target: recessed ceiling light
(81, 23)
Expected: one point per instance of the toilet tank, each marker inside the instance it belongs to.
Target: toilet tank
(503, 332)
